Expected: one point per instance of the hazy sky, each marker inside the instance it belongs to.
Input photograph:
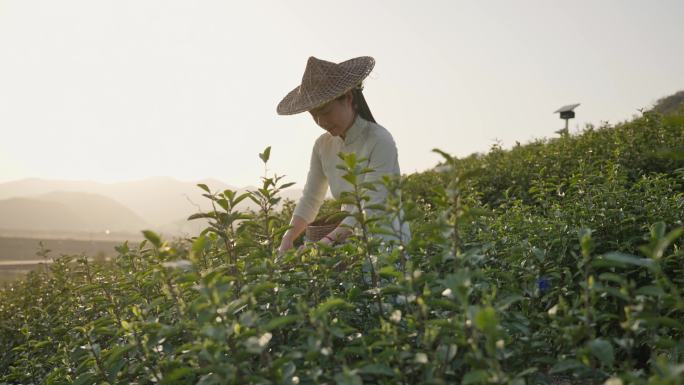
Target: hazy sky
(121, 90)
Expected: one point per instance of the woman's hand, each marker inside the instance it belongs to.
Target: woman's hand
(326, 241)
(297, 226)
(286, 244)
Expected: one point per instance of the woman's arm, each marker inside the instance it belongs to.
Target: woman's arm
(309, 203)
(298, 225)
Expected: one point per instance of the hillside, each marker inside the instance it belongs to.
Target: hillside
(159, 203)
(157, 200)
(99, 212)
(25, 214)
(637, 148)
(671, 105)
(68, 211)
(615, 179)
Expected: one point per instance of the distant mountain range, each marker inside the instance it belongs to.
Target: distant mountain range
(161, 203)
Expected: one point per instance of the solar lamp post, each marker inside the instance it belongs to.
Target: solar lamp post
(566, 113)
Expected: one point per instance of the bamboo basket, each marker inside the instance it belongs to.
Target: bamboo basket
(321, 227)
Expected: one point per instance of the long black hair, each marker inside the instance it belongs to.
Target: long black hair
(360, 104)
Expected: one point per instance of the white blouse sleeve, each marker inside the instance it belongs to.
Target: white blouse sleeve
(314, 189)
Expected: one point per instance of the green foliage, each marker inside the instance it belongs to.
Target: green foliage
(633, 148)
(552, 259)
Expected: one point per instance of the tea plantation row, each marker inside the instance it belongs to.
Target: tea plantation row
(558, 260)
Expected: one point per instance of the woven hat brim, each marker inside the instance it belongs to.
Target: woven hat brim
(297, 100)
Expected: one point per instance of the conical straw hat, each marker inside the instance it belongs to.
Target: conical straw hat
(323, 81)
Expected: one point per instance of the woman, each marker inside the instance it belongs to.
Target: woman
(332, 94)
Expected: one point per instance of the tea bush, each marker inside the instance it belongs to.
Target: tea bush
(556, 260)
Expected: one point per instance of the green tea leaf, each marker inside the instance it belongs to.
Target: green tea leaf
(178, 374)
(204, 187)
(152, 237)
(603, 351)
(85, 379)
(475, 377)
(486, 319)
(627, 259)
(281, 321)
(447, 158)
(348, 377)
(327, 306)
(566, 365)
(264, 156)
(654, 291)
(377, 369)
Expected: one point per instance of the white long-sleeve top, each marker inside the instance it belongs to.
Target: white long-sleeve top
(368, 140)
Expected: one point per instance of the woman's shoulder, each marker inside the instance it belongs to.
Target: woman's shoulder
(324, 143)
(379, 133)
(323, 139)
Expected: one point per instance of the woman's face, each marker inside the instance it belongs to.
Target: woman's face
(335, 116)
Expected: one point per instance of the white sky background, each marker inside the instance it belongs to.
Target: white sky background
(121, 90)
